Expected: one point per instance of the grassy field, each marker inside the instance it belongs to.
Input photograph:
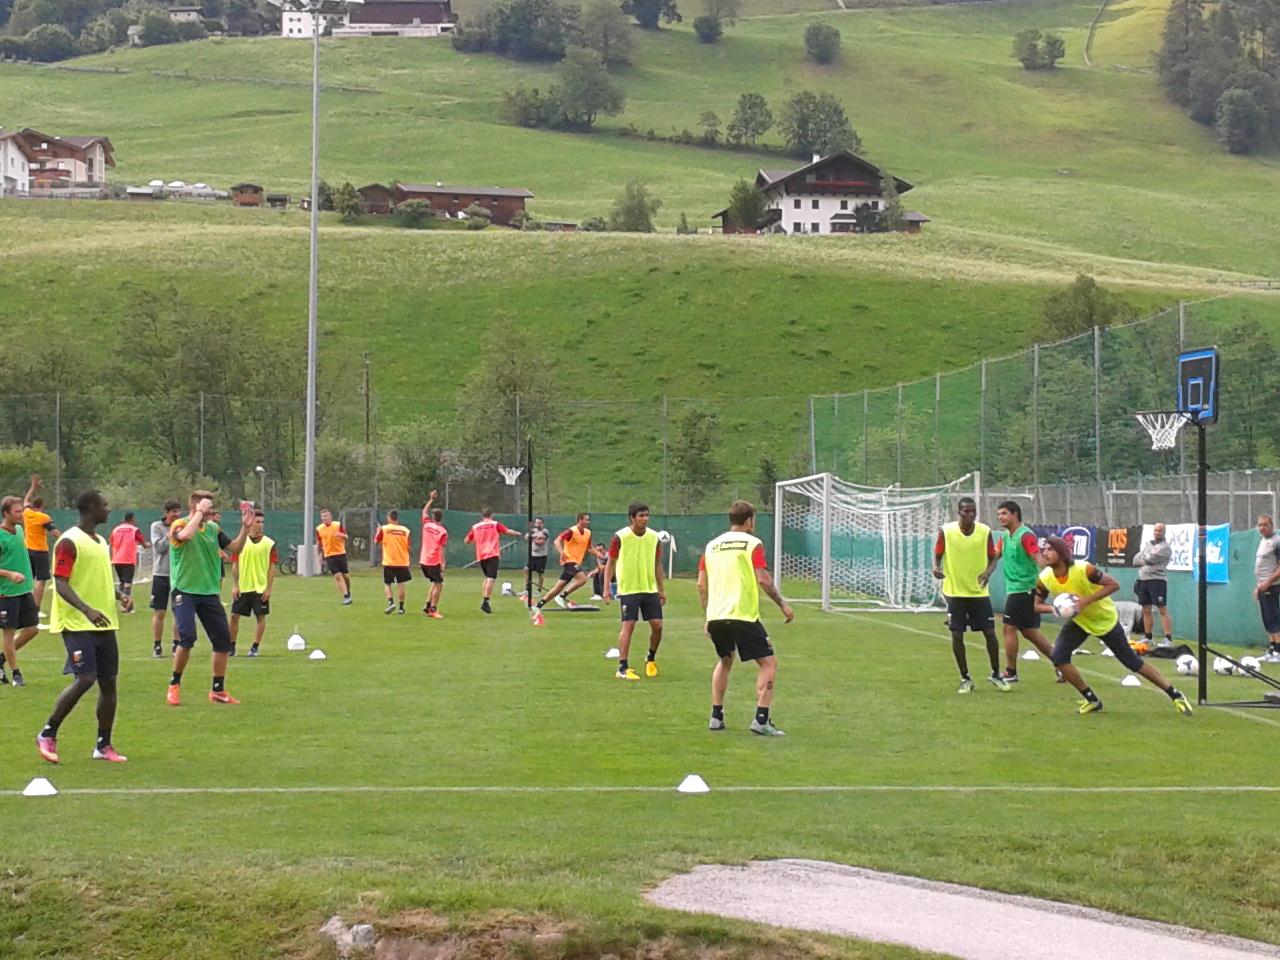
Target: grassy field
(562, 799)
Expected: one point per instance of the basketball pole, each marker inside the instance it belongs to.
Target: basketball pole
(1202, 554)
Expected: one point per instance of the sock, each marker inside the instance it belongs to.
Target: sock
(1173, 693)
(104, 737)
(218, 684)
(622, 666)
(652, 654)
(346, 596)
(1011, 670)
(1147, 637)
(762, 715)
(539, 604)
(50, 730)
(176, 679)
(965, 676)
(717, 711)
(254, 647)
(401, 604)
(1, 661)
(1089, 695)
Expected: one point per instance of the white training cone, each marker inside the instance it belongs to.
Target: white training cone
(613, 653)
(1031, 655)
(693, 784)
(1131, 681)
(1106, 652)
(317, 655)
(40, 787)
(296, 642)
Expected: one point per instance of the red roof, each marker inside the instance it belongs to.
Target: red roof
(402, 12)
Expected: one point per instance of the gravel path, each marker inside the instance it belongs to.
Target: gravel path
(940, 917)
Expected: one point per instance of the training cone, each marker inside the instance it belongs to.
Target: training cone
(1106, 652)
(1031, 655)
(317, 655)
(613, 653)
(40, 787)
(693, 784)
(1131, 681)
(296, 642)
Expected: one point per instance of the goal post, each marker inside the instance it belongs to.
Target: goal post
(848, 546)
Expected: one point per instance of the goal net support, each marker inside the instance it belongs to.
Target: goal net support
(845, 545)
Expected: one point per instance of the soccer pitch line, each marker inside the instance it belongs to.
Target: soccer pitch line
(1242, 714)
(497, 789)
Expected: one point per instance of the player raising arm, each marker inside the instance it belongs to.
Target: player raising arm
(432, 559)
(37, 527)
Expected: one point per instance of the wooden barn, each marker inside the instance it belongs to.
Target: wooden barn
(447, 200)
(378, 199)
(246, 195)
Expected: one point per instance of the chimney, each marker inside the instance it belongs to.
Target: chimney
(816, 157)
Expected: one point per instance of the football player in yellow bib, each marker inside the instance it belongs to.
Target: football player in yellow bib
(1095, 616)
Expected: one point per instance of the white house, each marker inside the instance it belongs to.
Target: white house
(376, 18)
(15, 165)
(822, 197)
(185, 14)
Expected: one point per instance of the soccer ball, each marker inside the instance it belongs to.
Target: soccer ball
(1253, 663)
(1066, 605)
(507, 590)
(1188, 666)
(1223, 666)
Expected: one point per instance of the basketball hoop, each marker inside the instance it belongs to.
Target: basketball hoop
(511, 474)
(1163, 426)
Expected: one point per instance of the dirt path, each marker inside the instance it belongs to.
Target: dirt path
(944, 918)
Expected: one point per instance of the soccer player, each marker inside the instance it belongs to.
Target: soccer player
(487, 536)
(331, 541)
(196, 562)
(572, 545)
(431, 558)
(1019, 549)
(37, 526)
(84, 612)
(1096, 616)
(160, 575)
(1266, 574)
(19, 615)
(539, 538)
(636, 554)
(253, 577)
(1152, 587)
(126, 538)
(395, 558)
(963, 559)
(731, 574)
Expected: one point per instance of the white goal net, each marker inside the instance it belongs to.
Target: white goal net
(843, 544)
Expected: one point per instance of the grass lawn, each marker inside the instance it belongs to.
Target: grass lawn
(116, 866)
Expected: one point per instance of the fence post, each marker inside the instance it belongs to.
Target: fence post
(898, 418)
(202, 433)
(1231, 499)
(57, 448)
(866, 459)
(665, 511)
(835, 433)
(1182, 341)
(1140, 515)
(982, 418)
(1097, 403)
(519, 445)
(937, 453)
(813, 441)
(1035, 416)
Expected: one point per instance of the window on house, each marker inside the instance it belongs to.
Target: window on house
(814, 203)
(815, 228)
(875, 204)
(844, 204)
(797, 203)
(797, 228)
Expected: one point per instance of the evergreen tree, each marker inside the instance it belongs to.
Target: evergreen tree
(1241, 123)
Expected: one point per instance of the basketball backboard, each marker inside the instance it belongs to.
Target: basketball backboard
(1198, 384)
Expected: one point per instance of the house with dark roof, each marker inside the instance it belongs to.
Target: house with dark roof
(68, 161)
(828, 195)
(375, 18)
(449, 200)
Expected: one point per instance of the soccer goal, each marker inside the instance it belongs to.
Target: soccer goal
(845, 545)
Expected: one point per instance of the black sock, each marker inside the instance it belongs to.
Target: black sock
(104, 737)
(255, 646)
(1, 661)
(1173, 693)
(762, 715)
(539, 604)
(1147, 637)
(1011, 670)
(622, 665)
(652, 654)
(50, 730)
(717, 711)
(401, 604)
(176, 679)
(218, 684)
(1089, 695)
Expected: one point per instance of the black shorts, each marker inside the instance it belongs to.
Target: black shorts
(337, 564)
(124, 571)
(1269, 607)
(569, 571)
(40, 565)
(747, 637)
(433, 572)
(160, 592)
(538, 564)
(1117, 640)
(92, 652)
(213, 617)
(489, 567)
(1152, 593)
(19, 612)
(396, 575)
(970, 613)
(251, 603)
(638, 605)
(1020, 611)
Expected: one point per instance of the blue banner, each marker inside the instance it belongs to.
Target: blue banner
(1217, 550)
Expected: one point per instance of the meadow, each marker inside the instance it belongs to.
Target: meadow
(476, 768)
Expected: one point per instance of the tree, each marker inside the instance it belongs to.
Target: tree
(49, 43)
(1052, 49)
(816, 123)
(1081, 307)
(890, 204)
(746, 206)
(751, 119)
(1183, 32)
(726, 11)
(649, 12)
(348, 202)
(529, 108)
(514, 374)
(708, 29)
(683, 225)
(603, 27)
(767, 482)
(413, 214)
(520, 29)
(633, 212)
(324, 195)
(157, 29)
(98, 36)
(586, 90)
(1026, 48)
(710, 124)
(1241, 123)
(692, 453)
(822, 42)
(595, 225)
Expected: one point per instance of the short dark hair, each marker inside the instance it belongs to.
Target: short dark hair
(37, 502)
(1011, 506)
(963, 500)
(581, 515)
(171, 504)
(8, 503)
(740, 511)
(87, 499)
(393, 514)
(486, 514)
(259, 513)
(437, 514)
(637, 507)
(128, 516)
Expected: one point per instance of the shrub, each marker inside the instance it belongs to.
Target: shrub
(708, 29)
(478, 217)
(412, 214)
(50, 42)
(595, 225)
(822, 42)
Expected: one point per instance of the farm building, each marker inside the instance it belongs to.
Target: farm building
(448, 200)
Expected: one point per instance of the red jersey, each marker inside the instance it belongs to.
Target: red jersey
(125, 540)
(434, 538)
(487, 536)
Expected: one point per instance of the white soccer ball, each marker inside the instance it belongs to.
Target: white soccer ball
(1187, 665)
(1253, 663)
(1066, 605)
(507, 589)
(1223, 666)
